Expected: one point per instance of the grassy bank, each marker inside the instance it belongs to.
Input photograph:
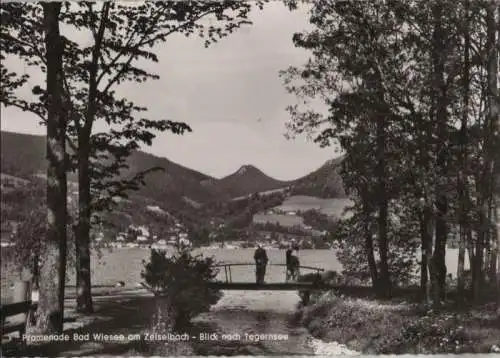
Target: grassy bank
(390, 327)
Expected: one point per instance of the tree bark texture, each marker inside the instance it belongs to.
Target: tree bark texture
(50, 312)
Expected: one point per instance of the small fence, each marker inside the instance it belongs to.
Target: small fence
(229, 276)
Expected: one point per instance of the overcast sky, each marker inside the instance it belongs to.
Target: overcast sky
(231, 96)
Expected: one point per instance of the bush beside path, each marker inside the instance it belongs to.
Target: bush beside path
(371, 326)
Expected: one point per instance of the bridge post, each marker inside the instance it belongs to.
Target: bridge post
(318, 275)
(225, 272)
(230, 275)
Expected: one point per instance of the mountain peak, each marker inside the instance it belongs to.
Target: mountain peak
(247, 180)
(246, 168)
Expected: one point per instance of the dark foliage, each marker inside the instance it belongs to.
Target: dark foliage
(181, 281)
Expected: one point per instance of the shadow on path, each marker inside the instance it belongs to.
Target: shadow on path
(113, 316)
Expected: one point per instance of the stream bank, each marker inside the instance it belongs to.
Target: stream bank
(372, 326)
(271, 316)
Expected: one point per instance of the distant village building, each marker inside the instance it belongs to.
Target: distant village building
(139, 232)
(99, 237)
(144, 231)
(184, 243)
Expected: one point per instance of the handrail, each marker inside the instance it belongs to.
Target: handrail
(11, 309)
(253, 264)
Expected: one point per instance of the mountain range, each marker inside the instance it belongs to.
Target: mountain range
(179, 191)
(23, 155)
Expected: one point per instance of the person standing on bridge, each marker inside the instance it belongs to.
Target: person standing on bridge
(261, 260)
(292, 262)
(288, 256)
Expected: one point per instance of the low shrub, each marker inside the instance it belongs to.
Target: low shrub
(180, 284)
(431, 335)
(372, 328)
(328, 277)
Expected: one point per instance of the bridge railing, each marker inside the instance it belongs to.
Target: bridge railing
(228, 272)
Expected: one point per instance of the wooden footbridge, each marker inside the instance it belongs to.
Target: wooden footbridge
(310, 285)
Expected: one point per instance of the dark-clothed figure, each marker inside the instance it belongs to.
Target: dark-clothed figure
(292, 263)
(261, 260)
(288, 256)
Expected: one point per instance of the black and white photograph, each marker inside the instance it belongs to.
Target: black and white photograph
(250, 178)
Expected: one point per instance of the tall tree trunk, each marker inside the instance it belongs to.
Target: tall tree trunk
(470, 250)
(383, 205)
(478, 269)
(463, 165)
(83, 255)
(426, 242)
(498, 263)
(491, 133)
(490, 247)
(492, 258)
(461, 263)
(494, 254)
(50, 311)
(424, 272)
(35, 282)
(384, 279)
(439, 256)
(441, 118)
(498, 252)
(372, 265)
(424, 136)
(497, 170)
(493, 50)
(83, 273)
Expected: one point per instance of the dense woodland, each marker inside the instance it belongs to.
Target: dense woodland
(411, 96)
